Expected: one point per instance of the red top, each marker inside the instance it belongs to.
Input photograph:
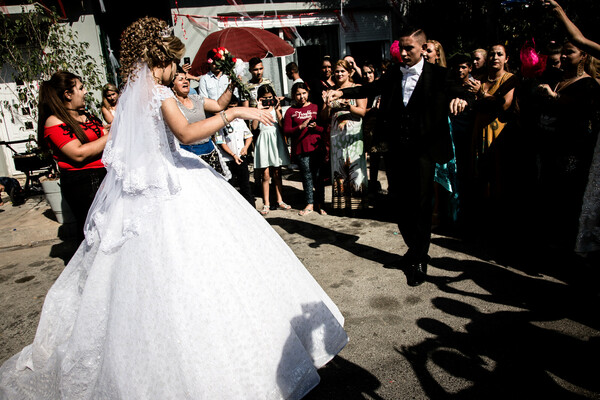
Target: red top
(308, 139)
(59, 135)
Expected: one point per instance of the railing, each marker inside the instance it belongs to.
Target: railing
(34, 164)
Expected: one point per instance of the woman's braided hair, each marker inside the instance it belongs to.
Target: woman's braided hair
(149, 40)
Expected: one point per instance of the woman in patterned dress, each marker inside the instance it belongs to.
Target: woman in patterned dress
(348, 162)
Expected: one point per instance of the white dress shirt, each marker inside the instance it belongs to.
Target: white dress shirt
(235, 140)
(213, 87)
(410, 77)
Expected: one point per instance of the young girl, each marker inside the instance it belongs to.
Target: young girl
(300, 124)
(270, 152)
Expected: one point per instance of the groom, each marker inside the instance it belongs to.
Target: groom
(413, 120)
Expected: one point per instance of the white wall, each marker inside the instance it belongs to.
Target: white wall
(13, 125)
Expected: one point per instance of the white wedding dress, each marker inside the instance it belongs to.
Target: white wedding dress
(181, 289)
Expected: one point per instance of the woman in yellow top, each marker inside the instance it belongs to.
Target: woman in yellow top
(494, 108)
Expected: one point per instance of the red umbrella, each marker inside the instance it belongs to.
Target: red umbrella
(243, 43)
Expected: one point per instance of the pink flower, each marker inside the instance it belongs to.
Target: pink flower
(395, 51)
(210, 60)
(532, 63)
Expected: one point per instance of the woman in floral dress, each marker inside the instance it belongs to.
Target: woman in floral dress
(348, 162)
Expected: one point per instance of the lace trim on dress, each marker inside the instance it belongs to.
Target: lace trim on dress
(139, 162)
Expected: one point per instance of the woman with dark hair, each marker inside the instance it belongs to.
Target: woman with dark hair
(300, 124)
(347, 156)
(324, 82)
(76, 139)
(371, 141)
(494, 112)
(195, 107)
(569, 127)
(181, 290)
(110, 95)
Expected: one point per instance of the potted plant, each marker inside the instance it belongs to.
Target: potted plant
(60, 208)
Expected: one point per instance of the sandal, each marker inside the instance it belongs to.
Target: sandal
(304, 212)
(265, 210)
(283, 206)
(321, 211)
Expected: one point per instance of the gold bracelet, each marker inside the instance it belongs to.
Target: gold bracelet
(226, 122)
(224, 118)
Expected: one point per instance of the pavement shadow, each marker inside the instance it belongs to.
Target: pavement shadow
(65, 249)
(521, 353)
(290, 194)
(50, 215)
(321, 236)
(344, 380)
(530, 258)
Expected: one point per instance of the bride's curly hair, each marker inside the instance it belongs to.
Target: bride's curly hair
(149, 40)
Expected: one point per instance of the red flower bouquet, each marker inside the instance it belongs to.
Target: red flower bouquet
(230, 66)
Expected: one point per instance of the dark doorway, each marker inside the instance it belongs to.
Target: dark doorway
(319, 41)
(367, 51)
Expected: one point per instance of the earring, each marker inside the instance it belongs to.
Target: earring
(580, 68)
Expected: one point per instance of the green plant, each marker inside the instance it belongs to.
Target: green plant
(33, 45)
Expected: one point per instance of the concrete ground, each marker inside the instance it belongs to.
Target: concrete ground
(489, 323)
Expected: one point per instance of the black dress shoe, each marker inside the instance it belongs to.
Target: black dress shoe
(417, 274)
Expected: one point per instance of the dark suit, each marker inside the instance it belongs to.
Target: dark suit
(418, 136)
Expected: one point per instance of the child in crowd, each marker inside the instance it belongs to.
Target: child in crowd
(271, 151)
(235, 139)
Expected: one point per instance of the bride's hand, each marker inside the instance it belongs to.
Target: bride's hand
(254, 114)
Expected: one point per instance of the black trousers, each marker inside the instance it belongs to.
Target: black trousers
(78, 189)
(410, 179)
(242, 176)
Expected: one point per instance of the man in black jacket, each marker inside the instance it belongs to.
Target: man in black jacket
(413, 119)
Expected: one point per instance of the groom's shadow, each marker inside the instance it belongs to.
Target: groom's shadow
(321, 236)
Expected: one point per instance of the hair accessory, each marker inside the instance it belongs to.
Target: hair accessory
(167, 32)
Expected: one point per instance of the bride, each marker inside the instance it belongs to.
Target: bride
(169, 297)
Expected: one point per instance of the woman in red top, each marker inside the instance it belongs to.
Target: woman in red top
(76, 139)
(300, 123)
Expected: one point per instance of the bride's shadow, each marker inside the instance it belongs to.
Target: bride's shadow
(340, 378)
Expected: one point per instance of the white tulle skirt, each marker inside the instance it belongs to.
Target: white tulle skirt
(206, 302)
